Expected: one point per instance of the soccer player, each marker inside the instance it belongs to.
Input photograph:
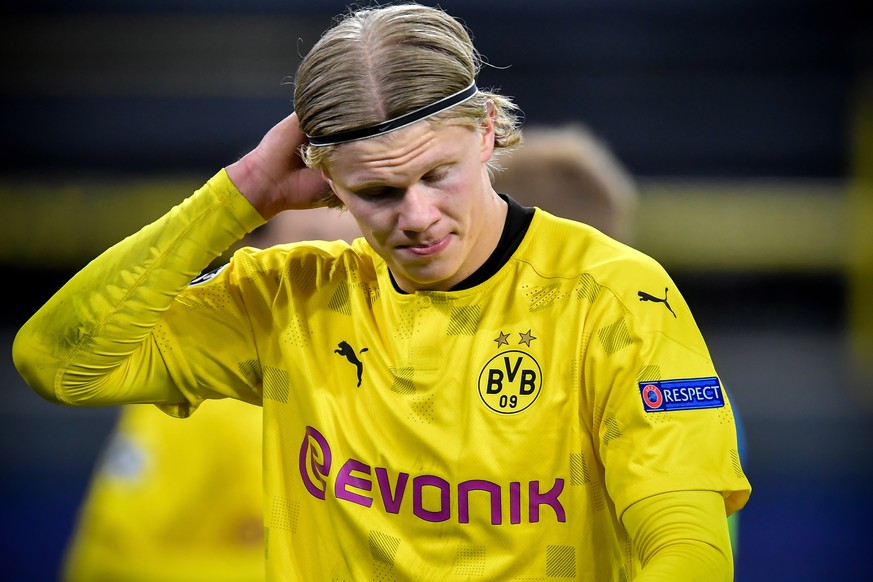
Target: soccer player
(473, 389)
(181, 501)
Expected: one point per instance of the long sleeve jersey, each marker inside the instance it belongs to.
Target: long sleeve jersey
(491, 433)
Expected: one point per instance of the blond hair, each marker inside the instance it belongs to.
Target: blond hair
(376, 64)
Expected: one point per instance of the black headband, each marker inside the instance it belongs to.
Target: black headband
(397, 122)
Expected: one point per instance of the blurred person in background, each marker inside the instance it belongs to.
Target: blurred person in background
(173, 500)
(568, 170)
(182, 501)
(471, 389)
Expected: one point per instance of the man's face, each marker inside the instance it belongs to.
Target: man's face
(423, 200)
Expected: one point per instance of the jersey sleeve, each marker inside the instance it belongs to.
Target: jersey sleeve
(644, 345)
(681, 535)
(99, 339)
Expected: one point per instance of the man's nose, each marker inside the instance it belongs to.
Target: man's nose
(417, 210)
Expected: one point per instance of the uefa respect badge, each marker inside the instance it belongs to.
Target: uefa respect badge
(687, 394)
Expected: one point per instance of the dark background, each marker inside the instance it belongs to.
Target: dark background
(725, 104)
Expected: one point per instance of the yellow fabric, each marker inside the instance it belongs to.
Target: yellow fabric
(681, 536)
(174, 500)
(494, 432)
(69, 350)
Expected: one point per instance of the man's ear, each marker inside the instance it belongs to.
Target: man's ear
(487, 131)
(330, 197)
(326, 177)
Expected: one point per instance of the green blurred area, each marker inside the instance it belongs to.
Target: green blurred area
(702, 225)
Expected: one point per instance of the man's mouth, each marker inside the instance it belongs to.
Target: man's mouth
(428, 249)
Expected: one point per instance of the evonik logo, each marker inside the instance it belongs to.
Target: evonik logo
(354, 483)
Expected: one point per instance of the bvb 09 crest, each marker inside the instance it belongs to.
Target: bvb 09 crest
(510, 382)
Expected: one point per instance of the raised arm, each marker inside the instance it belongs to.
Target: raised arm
(95, 342)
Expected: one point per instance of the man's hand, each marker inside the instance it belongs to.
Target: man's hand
(273, 176)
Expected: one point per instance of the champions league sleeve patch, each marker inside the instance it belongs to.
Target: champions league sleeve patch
(689, 394)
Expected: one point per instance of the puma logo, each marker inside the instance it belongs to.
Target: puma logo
(348, 352)
(646, 297)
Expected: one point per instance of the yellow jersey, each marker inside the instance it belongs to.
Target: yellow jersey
(496, 432)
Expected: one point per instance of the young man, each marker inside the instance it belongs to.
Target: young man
(473, 390)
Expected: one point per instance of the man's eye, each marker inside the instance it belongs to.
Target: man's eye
(434, 176)
(370, 192)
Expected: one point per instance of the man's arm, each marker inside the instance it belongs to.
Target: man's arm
(681, 535)
(92, 342)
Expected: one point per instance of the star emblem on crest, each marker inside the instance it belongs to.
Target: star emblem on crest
(526, 338)
(502, 339)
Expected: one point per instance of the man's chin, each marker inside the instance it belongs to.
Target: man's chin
(423, 279)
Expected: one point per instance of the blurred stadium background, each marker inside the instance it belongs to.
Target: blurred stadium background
(748, 123)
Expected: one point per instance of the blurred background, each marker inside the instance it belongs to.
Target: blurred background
(747, 123)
